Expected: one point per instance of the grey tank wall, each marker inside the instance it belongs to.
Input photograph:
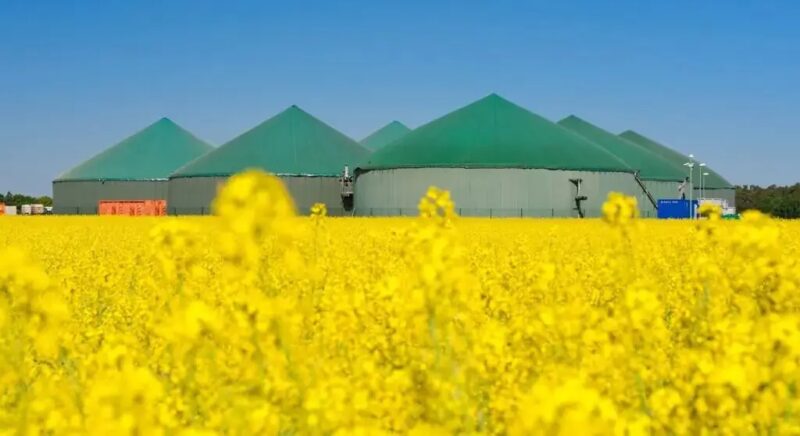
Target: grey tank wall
(194, 195)
(82, 197)
(489, 192)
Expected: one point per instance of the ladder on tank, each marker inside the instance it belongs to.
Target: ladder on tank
(649, 195)
(578, 197)
(346, 182)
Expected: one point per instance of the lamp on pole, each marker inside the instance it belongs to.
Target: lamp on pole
(690, 164)
(703, 185)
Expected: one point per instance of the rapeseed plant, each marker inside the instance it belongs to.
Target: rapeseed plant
(257, 321)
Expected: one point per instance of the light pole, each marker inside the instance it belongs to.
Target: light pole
(702, 194)
(690, 164)
(703, 185)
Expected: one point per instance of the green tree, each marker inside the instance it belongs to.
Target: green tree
(11, 199)
(779, 201)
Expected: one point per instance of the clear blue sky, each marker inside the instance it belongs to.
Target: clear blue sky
(720, 79)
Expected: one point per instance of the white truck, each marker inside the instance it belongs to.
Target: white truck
(721, 202)
(32, 209)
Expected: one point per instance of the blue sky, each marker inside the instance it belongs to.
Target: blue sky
(719, 79)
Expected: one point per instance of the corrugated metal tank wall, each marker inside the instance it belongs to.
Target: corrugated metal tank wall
(82, 197)
(193, 195)
(488, 192)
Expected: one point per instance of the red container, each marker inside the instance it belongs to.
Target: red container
(132, 207)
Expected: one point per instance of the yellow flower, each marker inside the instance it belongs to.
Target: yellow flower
(319, 210)
(710, 210)
(252, 202)
(259, 322)
(437, 205)
(620, 209)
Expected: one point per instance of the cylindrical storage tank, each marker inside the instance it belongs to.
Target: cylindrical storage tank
(307, 154)
(135, 169)
(82, 197)
(492, 192)
(496, 159)
(659, 178)
(194, 195)
(713, 185)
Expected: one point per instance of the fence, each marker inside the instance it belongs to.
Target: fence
(389, 212)
(488, 212)
(178, 211)
(75, 210)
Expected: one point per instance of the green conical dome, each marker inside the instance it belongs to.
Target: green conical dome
(650, 165)
(494, 133)
(712, 181)
(290, 143)
(153, 153)
(385, 135)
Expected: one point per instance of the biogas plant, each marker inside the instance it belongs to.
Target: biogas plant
(496, 158)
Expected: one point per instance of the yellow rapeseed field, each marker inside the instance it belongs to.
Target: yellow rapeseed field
(260, 322)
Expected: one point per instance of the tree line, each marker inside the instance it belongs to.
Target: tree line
(778, 201)
(19, 199)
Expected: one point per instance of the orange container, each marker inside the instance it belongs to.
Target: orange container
(132, 207)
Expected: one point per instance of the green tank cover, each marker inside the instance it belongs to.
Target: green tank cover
(291, 143)
(712, 181)
(650, 165)
(151, 154)
(494, 133)
(385, 135)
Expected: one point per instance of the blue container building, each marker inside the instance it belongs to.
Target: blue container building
(676, 209)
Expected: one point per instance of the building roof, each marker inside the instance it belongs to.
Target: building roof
(713, 180)
(385, 135)
(494, 133)
(151, 154)
(650, 165)
(291, 143)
